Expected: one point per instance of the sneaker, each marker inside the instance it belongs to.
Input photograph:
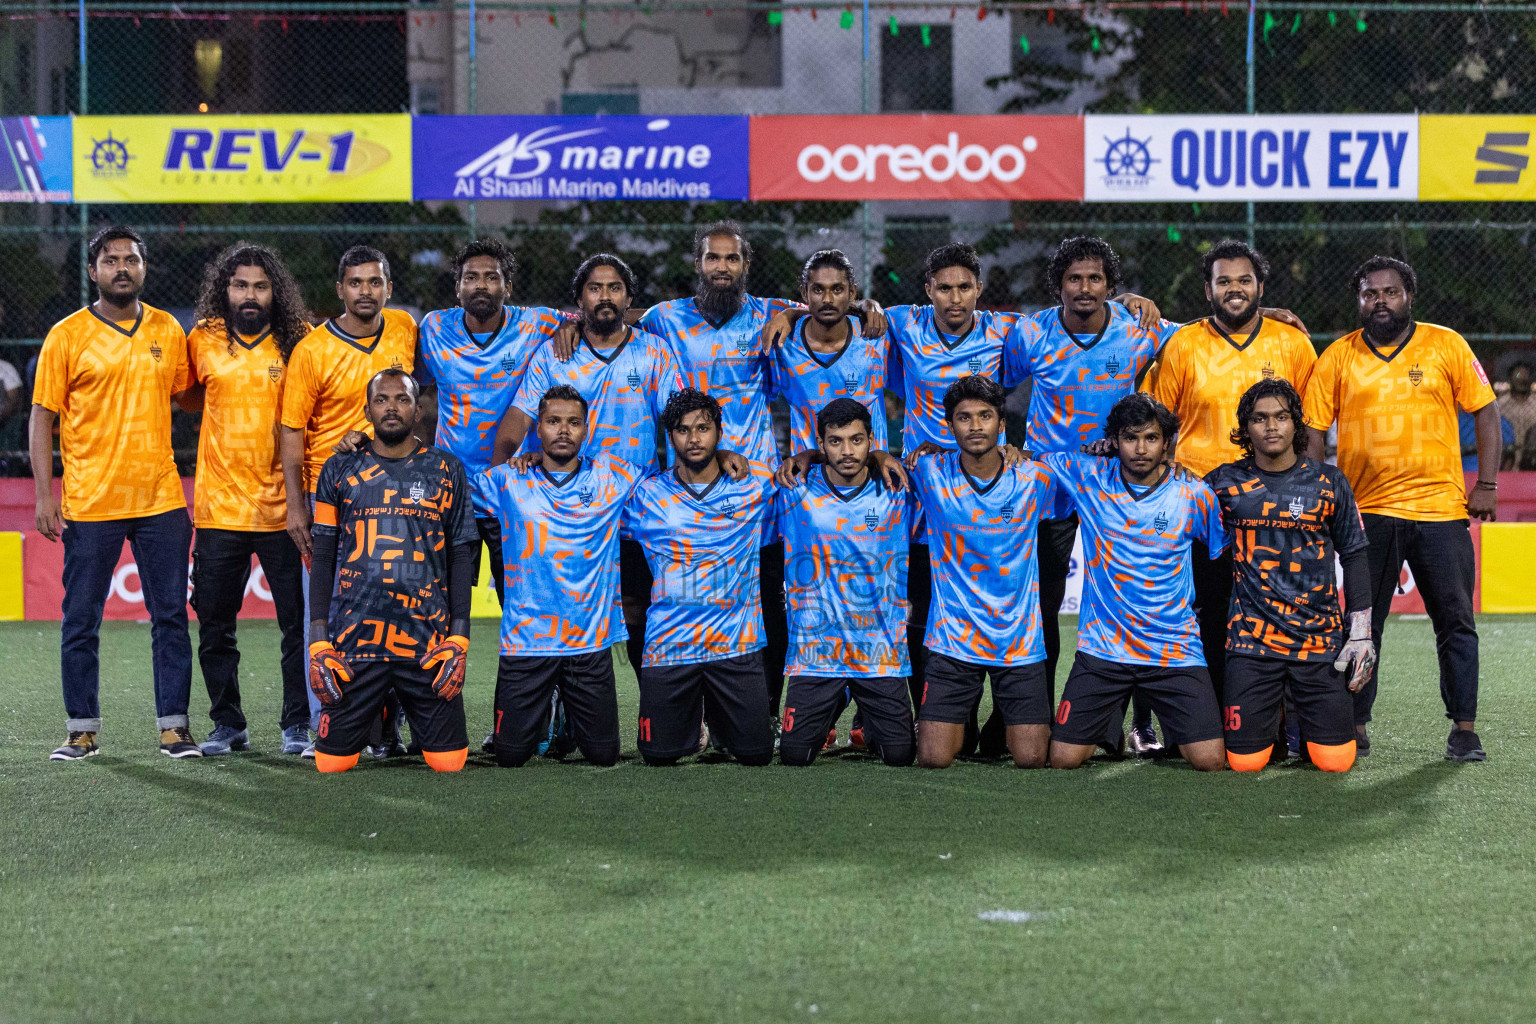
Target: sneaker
(1142, 742)
(1362, 743)
(1463, 745)
(79, 744)
(308, 751)
(1293, 737)
(488, 745)
(224, 739)
(561, 739)
(856, 738)
(831, 743)
(178, 743)
(295, 739)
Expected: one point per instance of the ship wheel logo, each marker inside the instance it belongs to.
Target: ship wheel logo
(1127, 159)
(109, 157)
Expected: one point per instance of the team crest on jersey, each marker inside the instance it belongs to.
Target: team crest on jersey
(1295, 508)
(975, 364)
(634, 380)
(585, 494)
(395, 364)
(417, 492)
(1006, 512)
(1160, 523)
(1416, 375)
(727, 508)
(851, 381)
(508, 364)
(871, 520)
(155, 351)
(1112, 366)
(1268, 373)
(275, 371)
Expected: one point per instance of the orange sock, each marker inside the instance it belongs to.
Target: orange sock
(1337, 758)
(1249, 762)
(446, 760)
(333, 762)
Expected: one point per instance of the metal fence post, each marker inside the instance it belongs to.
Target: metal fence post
(473, 105)
(1252, 11)
(84, 208)
(864, 260)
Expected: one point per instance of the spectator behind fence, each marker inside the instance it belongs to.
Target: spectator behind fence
(1468, 427)
(1518, 407)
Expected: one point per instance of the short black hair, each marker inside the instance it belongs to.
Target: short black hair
(1232, 249)
(683, 402)
(955, 254)
(1273, 387)
(839, 413)
(973, 387)
(721, 229)
(1138, 409)
(562, 393)
(115, 233)
(602, 259)
(357, 256)
(485, 247)
(396, 373)
(1082, 247)
(1375, 263)
(834, 258)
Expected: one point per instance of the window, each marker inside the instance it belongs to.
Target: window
(917, 69)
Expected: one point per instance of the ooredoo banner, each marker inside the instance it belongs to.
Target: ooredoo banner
(917, 156)
(1262, 158)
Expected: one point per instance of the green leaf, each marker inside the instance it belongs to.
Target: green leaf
(1173, 234)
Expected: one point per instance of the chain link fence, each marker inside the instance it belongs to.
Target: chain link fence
(1475, 259)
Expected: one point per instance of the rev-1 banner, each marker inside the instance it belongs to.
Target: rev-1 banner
(599, 157)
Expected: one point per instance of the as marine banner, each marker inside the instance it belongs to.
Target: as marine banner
(255, 158)
(1477, 157)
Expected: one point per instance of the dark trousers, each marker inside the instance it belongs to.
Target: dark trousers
(775, 622)
(635, 592)
(1213, 595)
(490, 532)
(524, 686)
(919, 596)
(1445, 572)
(221, 568)
(1053, 557)
(160, 544)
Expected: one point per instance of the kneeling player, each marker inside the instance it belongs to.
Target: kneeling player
(562, 612)
(845, 585)
(1287, 515)
(701, 532)
(395, 612)
(983, 519)
(1137, 630)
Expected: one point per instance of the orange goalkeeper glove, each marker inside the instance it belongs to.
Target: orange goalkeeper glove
(327, 671)
(450, 653)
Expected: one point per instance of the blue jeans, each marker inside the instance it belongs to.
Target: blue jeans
(161, 545)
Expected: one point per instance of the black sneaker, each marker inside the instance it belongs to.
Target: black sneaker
(1362, 744)
(79, 744)
(1142, 742)
(178, 742)
(1463, 745)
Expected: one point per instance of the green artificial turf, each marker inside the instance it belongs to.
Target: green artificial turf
(249, 888)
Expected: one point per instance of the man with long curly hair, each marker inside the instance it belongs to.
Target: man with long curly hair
(250, 315)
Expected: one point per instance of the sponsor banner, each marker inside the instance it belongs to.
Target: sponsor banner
(36, 167)
(265, 158)
(1473, 157)
(599, 157)
(1262, 158)
(918, 156)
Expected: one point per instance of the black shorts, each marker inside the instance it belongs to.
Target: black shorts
(1255, 687)
(524, 686)
(730, 696)
(812, 704)
(437, 725)
(953, 688)
(1093, 701)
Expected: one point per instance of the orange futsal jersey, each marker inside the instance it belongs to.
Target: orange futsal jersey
(326, 391)
(111, 384)
(1399, 440)
(1201, 375)
(239, 471)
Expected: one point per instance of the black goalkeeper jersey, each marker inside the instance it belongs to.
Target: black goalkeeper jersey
(395, 523)
(1285, 529)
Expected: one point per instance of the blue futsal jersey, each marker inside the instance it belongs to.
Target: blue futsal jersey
(1138, 588)
(626, 388)
(703, 548)
(560, 539)
(930, 361)
(1077, 378)
(845, 578)
(727, 361)
(477, 380)
(981, 536)
(808, 380)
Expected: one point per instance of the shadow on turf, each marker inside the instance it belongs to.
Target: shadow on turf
(1156, 823)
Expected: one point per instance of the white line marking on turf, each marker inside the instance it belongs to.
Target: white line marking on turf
(945, 856)
(1014, 916)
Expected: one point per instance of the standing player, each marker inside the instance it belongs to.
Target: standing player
(562, 614)
(106, 374)
(1287, 515)
(845, 560)
(325, 391)
(394, 551)
(982, 519)
(1081, 357)
(1201, 375)
(701, 533)
(250, 315)
(1394, 387)
(625, 377)
(1137, 632)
